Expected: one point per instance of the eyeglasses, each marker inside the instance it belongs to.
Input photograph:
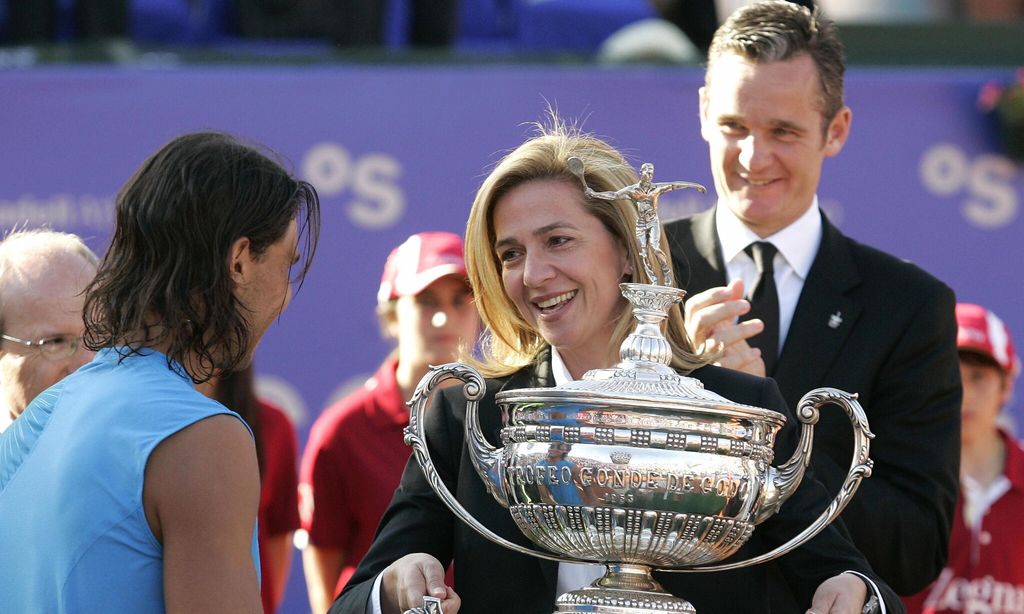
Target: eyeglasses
(57, 347)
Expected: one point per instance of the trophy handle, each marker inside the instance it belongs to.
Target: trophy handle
(791, 473)
(486, 458)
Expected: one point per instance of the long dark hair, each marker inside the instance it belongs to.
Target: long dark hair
(165, 280)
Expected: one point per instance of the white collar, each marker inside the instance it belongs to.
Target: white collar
(558, 368)
(798, 243)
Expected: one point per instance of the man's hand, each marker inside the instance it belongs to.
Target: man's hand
(407, 580)
(711, 322)
(842, 594)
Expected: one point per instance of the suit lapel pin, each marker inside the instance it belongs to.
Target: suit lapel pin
(835, 320)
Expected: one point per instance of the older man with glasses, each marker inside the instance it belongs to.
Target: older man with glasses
(42, 278)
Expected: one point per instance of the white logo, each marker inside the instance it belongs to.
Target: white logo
(835, 320)
(984, 184)
(377, 201)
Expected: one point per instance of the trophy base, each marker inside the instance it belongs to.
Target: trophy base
(591, 600)
(623, 589)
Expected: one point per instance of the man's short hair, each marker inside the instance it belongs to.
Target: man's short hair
(166, 270)
(778, 30)
(20, 245)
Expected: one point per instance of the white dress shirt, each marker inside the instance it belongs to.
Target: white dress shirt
(797, 245)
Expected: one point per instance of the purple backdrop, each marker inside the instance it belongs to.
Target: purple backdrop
(397, 150)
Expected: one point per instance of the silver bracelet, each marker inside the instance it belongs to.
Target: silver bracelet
(870, 606)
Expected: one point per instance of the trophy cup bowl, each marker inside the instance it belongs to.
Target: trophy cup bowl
(636, 467)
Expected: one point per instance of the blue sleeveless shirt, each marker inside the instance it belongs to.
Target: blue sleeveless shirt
(73, 531)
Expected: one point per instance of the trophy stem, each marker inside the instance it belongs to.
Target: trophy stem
(646, 347)
(623, 589)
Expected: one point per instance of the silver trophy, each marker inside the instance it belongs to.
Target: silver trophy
(636, 467)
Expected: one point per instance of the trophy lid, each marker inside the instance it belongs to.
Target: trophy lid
(629, 385)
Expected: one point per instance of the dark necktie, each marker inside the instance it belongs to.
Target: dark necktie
(764, 303)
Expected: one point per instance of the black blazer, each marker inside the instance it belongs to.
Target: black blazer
(895, 345)
(490, 578)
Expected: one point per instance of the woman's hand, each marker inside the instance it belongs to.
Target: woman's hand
(842, 594)
(405, 582)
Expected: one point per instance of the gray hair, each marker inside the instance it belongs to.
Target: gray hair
(21, 245)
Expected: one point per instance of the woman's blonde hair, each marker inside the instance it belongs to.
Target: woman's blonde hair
(509, 341)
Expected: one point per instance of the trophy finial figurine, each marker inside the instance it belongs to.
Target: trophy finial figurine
(644, 195)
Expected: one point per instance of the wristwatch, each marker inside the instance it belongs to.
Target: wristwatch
(431, 605)
(872, 606)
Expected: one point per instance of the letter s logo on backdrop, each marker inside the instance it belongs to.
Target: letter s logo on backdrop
(374, 200)
(984, 185)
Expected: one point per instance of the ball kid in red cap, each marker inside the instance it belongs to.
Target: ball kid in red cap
(984, 570)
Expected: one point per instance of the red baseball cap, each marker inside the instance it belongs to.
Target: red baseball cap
(421, 260)
(979, 330)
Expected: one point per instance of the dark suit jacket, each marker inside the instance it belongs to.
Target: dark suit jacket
(895, 345)
(490, 578)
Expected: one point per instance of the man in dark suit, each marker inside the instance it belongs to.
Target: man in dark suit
(829, 310)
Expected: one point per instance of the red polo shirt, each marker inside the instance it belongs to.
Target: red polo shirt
(351, 466)
(279, 506)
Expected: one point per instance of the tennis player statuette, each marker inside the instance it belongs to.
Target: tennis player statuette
(644, 195)
(636, 467)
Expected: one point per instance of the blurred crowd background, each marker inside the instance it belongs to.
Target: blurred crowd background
(665, 30)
